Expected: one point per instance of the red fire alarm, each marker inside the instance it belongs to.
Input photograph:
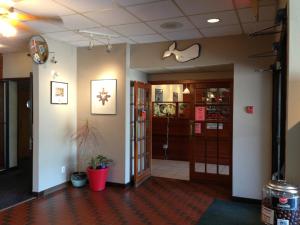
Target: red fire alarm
(249, 109)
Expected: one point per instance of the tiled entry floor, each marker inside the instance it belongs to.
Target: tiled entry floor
(171, 169)
(158, 201)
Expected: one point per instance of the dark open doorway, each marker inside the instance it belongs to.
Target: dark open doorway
(15, 141)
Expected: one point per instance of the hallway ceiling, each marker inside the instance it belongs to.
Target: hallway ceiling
(139, 21)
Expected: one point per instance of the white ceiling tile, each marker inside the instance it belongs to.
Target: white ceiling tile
(133, 2)
(117, 40)
(247, 3)
(246, 15)
(45, 7)
(148, 38)
(265, 13)
(267, 2)
(66, 36)
(186, 35)
(253, 27)
(221, 31)
(133, 29)
(85, 43)
(226, 18)
(103, 31)
(156, 10)
(44, 27)
(86, 6)
(186, 24)
(191, 7)
(115, 16)
(77, 21)
(242, 3)
(120, 40)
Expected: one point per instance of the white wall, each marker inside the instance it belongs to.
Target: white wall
(98, 64)
(16, 65)
(293, 107)
(53, 125)
(251, 133)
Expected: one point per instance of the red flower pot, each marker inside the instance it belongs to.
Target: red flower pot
(97, 178)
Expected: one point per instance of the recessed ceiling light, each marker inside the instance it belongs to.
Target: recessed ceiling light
(213, 20)
(171, 25)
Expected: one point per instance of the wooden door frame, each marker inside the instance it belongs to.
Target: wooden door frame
(140, 179)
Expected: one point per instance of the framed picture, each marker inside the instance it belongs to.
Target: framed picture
(158, 95)
(175, 97)
(104, 96)
(59, 92)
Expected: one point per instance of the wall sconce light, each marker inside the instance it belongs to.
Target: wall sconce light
(54, 74)
(186, 91)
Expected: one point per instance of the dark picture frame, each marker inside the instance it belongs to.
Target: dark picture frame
(58, 92)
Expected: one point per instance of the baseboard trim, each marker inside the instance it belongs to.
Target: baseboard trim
(51, 190)
(113, 184)
(246, 200)
(4, 171)
(68, 183)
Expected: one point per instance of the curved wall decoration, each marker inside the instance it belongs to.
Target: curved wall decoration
(38, 49)
(188, 54)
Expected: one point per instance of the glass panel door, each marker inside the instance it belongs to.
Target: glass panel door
(142, 132)
(212, 133)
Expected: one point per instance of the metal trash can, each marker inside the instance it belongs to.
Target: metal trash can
(280, 204)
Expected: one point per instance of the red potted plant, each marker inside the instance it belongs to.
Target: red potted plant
(98, 172)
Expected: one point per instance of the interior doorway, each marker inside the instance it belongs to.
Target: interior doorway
(15, 141)
(171, 131)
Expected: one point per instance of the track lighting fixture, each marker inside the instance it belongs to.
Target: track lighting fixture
(94, 34)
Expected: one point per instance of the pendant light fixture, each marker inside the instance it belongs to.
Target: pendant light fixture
(186, 91)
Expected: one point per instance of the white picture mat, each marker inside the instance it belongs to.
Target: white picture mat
(109, 86)
(59, 99)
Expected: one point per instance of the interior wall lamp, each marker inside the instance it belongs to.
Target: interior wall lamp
(54, 74)
(186, 91)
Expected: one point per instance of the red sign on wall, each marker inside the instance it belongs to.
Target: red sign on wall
(199, 113)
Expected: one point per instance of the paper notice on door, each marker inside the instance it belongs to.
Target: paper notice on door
(199, 113)
(267, 215)
(197, 128)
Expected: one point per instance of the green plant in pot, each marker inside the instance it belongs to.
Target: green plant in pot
(98, 172)
(87, 144)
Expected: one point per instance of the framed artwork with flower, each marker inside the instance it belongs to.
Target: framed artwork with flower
(104, 97)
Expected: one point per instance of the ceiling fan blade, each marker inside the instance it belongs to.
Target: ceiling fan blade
(255, 8)
(50, 19)
(23, 16)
